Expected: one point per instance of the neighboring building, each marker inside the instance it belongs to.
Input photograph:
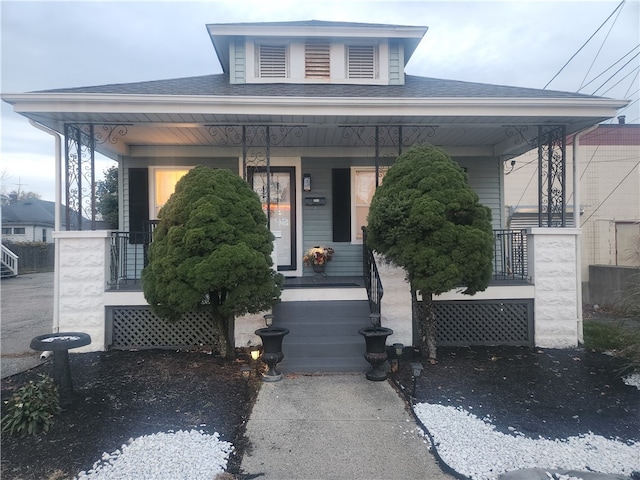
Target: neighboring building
(30, 220)
(310, 114)
(608, 159)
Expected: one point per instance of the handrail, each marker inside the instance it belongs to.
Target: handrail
(510, 254)
(372, 281)
(10, 260)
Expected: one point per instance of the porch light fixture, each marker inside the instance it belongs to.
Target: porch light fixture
(398, 348)
(268, 319)
(255, 353)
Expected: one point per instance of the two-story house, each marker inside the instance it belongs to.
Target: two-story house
(311, 114)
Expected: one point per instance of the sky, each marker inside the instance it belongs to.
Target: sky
(47, 45)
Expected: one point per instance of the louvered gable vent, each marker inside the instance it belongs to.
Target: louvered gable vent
(316, 60)
(361, 61)
(272, 62)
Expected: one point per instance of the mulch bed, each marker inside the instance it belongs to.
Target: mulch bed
(552, 393)
(121, 395)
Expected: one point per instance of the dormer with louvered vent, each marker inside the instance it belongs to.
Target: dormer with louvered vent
(315, 52)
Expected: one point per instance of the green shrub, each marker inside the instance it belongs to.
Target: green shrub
(31, 409)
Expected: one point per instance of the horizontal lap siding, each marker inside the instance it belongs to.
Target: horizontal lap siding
(317, 221)
(484, 178)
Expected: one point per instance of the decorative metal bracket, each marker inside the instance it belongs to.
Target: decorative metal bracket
(552, 147)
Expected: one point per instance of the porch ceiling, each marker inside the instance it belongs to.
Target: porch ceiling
(484, 135)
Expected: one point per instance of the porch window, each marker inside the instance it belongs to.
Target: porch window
(362, 61)
(363, 187)
(163, 184)
(272, 61)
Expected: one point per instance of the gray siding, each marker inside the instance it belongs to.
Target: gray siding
(317, 222)
(396, 76)
(484, 178)
(238, 62)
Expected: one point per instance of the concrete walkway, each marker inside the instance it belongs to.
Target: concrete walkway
(335, 427)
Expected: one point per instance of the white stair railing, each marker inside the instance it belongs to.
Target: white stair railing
(9, 261)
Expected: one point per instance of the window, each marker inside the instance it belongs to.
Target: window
(272, 61)
(362, 61)
(6, 230)
(163, 185)
(364, 186)
(19, 231)
(317, 60)
(44, 235)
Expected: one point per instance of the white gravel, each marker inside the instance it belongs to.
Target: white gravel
(632, 380)
(474, 448)
(188, 455)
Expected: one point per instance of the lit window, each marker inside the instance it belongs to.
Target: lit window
(163, 185)
(364, 186)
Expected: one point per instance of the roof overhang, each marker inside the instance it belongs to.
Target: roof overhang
(183, 119)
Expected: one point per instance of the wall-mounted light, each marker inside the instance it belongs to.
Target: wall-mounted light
(306, 182)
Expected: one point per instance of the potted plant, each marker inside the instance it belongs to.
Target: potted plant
(317, 257)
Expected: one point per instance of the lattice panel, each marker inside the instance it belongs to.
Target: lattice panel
(484, 323)
(140, 328)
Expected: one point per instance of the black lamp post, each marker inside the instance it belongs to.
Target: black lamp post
(416, 371)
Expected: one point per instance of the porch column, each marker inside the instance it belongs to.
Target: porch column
(81, 295)
(553, 268)
(552, 161)
(80, 184)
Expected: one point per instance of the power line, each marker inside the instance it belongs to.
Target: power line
(610, 193)
(585, 85)
(616, 72)
(584, 44)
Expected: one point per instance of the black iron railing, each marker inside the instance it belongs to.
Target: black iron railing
(372, 281)
(509, 254)
(128, 258)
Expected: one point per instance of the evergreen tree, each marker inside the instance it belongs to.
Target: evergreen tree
(212, 250)
(426, 219)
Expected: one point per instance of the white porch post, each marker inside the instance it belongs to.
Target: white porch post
(552, 267)
(81, 292)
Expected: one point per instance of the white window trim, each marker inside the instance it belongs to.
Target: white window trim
(354, 227)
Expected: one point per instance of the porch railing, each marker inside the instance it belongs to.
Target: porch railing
(372, 281)
(129, 254)
(510, 255)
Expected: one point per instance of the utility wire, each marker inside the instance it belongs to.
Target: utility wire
(616, 72)
(600, 49)
(584, 44)
(611, 193)
(607, 69)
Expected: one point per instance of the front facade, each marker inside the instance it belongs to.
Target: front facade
(312, 114)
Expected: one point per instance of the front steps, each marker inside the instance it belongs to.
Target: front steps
(323, 336)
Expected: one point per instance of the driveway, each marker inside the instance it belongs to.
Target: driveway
(26, 311)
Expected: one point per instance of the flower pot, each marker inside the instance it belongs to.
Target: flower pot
(318, 268)
(272, 350)
(376, 353)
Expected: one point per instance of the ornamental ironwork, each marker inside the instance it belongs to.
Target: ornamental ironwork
(552, 147)
(80, 185)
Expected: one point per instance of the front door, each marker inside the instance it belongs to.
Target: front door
(281, 209)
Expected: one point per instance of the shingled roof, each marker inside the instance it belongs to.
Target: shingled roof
(414, 87)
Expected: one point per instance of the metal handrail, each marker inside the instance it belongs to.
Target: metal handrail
(372, 281)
